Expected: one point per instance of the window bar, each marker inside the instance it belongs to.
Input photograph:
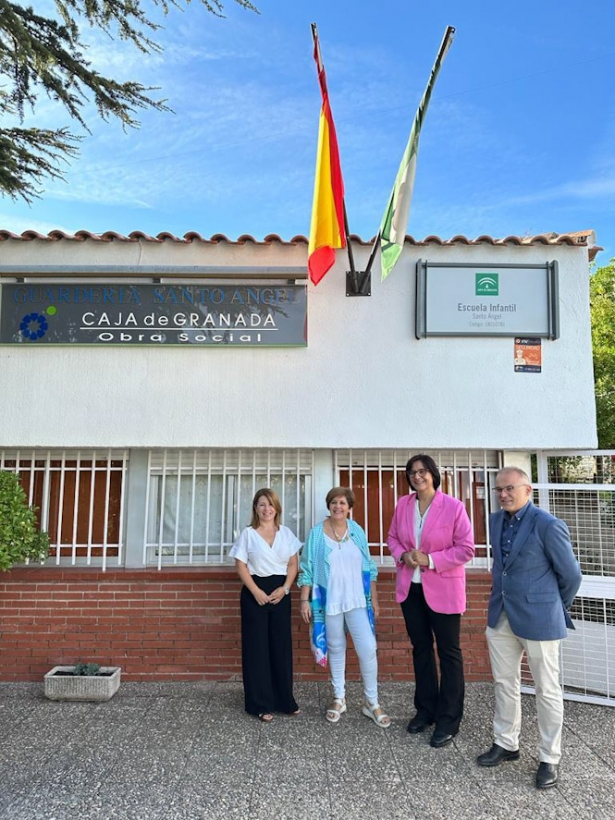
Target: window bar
(223, 510)
(58, 549)
(91, 513)
(395, 471)
(106, 516)
(120, 526)
(236, 509)
(455, 477)
(73, 559)
(32, 478)
(208, 506)
(336, 478)
(471, 484)
(44, 510)
(162, 500)
(283, 477)
(365, 499)
(298, 495)
(192, 504)
(380, 515)
(601, 540)
(148, 485)
(268, 473)
(177, 497)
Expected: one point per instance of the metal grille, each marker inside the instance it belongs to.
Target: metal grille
(580, 489)
(199, 500)
(378, 479)
(80, 500)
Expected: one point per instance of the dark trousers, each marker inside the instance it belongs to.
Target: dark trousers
(266, 651)
(439, 701)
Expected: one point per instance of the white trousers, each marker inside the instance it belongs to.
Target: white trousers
(505, 651)
(365, 645)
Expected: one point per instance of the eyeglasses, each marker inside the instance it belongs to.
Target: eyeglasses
(420, 473)
(509, 488)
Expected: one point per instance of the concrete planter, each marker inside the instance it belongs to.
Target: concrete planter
(99, 687)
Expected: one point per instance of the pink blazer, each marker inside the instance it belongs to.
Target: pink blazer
(447, 537)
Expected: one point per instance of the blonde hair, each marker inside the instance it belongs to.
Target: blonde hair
(273, 498)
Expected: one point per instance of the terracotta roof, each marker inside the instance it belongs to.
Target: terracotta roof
(583, 238)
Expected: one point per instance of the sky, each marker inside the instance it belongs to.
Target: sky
(519, 138)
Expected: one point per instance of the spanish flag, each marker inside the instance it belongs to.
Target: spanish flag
(327, 229)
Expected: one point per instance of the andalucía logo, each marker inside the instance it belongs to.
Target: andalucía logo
(487, 284)
(33, 326)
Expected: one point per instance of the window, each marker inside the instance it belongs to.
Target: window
(79, 496)
(199, 500)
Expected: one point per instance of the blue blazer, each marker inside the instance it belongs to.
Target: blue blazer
(541, 577)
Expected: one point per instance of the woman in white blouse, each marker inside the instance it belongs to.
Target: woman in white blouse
(266, 560)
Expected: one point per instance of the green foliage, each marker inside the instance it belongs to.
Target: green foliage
(602, 302)
(20, 538)
(46, 54)
(88, 669)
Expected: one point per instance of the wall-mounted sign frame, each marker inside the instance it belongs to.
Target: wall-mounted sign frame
(465, 299)
(173, 313)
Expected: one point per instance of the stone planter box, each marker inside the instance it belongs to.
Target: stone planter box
(99, 687)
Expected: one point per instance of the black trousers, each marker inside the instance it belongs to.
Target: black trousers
(439, 701)
(267, 651)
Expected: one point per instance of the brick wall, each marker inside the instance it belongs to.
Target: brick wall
(179, 625)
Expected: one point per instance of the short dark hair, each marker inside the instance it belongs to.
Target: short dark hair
(337, 492)
(429, 464)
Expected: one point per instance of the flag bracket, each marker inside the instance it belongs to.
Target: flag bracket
(358, 283)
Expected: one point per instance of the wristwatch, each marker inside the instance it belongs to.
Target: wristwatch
(286, 590)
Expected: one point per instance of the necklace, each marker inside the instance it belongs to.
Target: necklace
(339, 539)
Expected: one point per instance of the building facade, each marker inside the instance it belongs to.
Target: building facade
(148, 386)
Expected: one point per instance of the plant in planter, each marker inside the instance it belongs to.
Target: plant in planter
(20, 538)
(83, 681)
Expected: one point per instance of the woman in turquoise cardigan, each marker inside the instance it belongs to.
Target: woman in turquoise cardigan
(338, 592)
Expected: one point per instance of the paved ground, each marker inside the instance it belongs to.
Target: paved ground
(188, 751)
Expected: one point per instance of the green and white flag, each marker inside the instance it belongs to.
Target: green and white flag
(395, 219)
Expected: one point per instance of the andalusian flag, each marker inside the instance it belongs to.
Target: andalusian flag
(395, 219)
(327, 228)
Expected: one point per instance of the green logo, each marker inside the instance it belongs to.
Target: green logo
(487, 284)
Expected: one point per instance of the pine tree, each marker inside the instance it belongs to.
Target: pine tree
(45, 55)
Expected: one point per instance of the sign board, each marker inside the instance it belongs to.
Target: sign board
(193, 315)
(487, 300)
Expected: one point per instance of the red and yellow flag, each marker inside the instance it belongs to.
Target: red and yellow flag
(327, 228)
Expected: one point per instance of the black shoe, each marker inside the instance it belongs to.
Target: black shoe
(440, 739)
(547, 775)
(496, 755)
(418, 724)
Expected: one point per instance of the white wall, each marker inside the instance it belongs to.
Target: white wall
(363, 380)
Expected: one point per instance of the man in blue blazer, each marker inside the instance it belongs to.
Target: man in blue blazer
(535, 579)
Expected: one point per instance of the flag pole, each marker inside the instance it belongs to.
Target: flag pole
(352, 276)
(366, 274)
(395, 220)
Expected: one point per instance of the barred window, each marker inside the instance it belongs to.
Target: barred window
(198, 501)
(79, 496)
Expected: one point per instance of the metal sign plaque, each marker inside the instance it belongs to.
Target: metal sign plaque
(153, 314)
(465, 299)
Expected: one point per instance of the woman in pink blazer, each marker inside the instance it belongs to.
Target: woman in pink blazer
(431, 539)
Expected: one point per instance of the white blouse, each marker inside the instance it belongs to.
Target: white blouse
(264, 560)
(345, 589)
